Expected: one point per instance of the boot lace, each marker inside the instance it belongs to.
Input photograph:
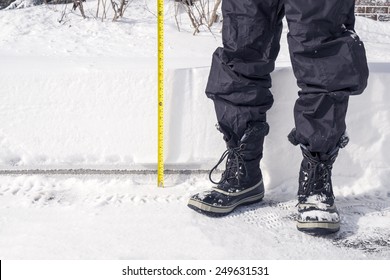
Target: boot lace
(316, 180)
(234, 165)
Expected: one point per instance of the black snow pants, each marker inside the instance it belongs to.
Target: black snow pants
(327, 57)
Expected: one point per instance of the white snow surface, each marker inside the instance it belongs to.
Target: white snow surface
(82, 94)
(319, 215)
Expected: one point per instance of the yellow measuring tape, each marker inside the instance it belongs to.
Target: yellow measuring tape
(160, 77)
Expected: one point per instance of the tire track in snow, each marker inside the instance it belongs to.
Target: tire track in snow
(365, 224)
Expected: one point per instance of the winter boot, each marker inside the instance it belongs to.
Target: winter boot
(317, 212)
(241, 182)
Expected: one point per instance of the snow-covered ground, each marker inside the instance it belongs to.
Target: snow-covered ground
(82, 94)
(127, 217)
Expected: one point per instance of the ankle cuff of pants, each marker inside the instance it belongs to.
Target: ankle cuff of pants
(343, 141)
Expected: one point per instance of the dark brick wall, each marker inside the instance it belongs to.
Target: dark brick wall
(375, 9)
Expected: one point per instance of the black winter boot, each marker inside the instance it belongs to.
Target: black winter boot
(317, 212)
(241, 183)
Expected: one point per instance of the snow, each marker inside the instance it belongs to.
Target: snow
(81, 94)
(317, 201)
(318, 215)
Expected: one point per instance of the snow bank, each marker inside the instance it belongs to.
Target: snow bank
(83, 116)
(65, 113)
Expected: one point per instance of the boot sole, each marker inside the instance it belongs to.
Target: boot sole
(318, 228)
(218, 211)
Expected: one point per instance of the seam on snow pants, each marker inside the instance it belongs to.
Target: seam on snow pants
(327, 57)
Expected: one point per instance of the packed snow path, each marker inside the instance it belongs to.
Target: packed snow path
(127, 217)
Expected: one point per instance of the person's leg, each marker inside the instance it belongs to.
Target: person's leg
(239, 84)
(329, 63)
(239, 81)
